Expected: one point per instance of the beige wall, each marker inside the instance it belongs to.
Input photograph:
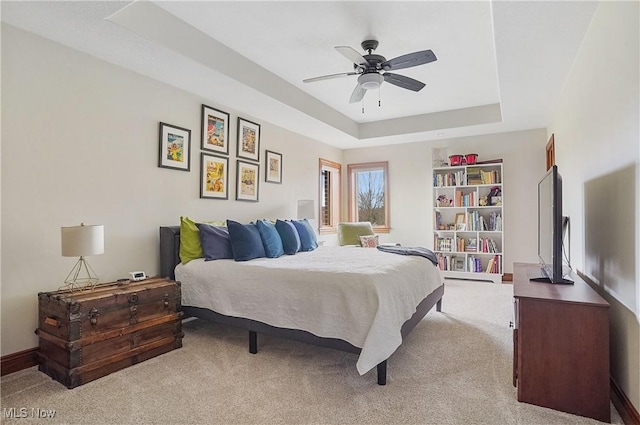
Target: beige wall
(410, 186)
(80, 144)
(596, 128)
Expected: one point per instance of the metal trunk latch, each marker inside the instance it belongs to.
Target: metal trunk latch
(133, 314)
(93, 316)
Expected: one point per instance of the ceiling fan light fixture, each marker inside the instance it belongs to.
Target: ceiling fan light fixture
(370, 80)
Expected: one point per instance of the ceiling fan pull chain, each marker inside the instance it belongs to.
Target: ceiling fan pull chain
(362, 101)
(379, 90)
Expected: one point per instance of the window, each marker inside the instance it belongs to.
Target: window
(330, 177)
(369, 194)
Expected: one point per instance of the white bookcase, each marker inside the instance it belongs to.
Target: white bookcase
(468, 231)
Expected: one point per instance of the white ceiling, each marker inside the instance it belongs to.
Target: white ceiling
(501, 65)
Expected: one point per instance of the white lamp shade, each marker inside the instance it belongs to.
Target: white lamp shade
(79, 241)
(306, 209)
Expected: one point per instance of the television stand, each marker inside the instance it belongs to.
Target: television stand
(561, 345)
(537, 274)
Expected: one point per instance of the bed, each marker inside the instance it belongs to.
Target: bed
(365, 305)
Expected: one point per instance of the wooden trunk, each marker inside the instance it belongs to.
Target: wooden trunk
(85, 335)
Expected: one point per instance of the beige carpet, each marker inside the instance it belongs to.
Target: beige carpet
(454, 368)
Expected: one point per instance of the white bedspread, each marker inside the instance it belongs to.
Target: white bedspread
(359, 295)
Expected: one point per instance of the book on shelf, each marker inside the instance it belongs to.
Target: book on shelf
(460, 245)
(488, 245)
(444, 244)
(474, 175)
(446, 262)
(490, 177)
(449, 178)
(495, 222)
(494, 265)
(474, 264)
(490, 265)
(471, 245)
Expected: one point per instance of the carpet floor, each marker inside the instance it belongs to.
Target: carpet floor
(454, 368)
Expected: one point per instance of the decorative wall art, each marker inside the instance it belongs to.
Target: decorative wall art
(214, 176)
(461, 222)
(248, 140)
(215, 130)
(273, 167)
(175, 147)
(247, 181)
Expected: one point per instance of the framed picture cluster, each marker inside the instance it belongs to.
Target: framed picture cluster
(175, 153)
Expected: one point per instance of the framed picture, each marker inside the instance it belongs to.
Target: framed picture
(175, 147)
(214, 176)
(215, 130)
(247, 181)
(458, 264)
(461, 227)
(273, 167)
(248, 140)
(460, 219)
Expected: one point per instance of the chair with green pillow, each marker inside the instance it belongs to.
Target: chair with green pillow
(349, 233)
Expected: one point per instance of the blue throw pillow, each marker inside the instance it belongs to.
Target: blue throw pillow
(308, 240)
(245, 241)
(215, 241)
(270, 239)
(289, 236)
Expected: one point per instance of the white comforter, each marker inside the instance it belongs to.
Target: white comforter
(359, 295)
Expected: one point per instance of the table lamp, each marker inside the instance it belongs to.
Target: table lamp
(81, 241)
(306, 209)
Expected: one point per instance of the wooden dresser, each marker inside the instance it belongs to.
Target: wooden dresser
(85, 335)
(561, 345)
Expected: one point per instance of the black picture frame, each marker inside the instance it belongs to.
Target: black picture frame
(248, 145)
(215, 130)
(214, 176)
(175, 147)
(247, 181)
(273, 167)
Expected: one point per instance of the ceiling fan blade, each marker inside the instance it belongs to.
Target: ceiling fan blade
(402, 81)
(352, 54)
(328, 77)
(358, 94)
(409, 60)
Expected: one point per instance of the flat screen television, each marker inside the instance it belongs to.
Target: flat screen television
(550, 229)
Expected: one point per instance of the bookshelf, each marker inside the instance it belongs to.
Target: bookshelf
(468, 232)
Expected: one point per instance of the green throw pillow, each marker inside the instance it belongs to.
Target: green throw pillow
(190, 246)
(349, 233)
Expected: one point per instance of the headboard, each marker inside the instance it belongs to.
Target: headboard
(169, 250)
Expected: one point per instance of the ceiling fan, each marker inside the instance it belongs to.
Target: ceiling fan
(373, 69)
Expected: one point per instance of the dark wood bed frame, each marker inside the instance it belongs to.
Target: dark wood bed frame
(170, 258)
